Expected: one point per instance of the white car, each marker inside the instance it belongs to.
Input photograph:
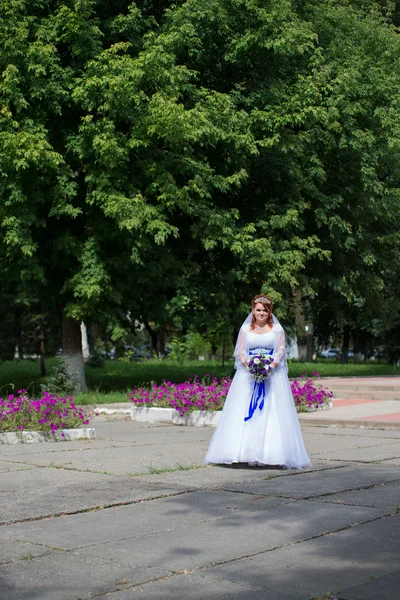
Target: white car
(330, 353)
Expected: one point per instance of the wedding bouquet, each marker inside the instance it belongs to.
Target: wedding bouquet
(260, 367)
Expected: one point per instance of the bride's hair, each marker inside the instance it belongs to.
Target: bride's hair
(266, 301)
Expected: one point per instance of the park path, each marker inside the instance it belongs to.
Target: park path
(360, 401)
(134, 514)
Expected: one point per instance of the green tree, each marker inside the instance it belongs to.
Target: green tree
(355, 207)
(158, 158)
(100, 156)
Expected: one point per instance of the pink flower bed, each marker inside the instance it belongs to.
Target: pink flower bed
(49, 413)
(308, 395)
(210, 395)
(187, 396)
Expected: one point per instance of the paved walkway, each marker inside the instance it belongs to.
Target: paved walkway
(372, 402)
(135, 514)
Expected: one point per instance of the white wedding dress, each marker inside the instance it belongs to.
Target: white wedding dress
(271, 435)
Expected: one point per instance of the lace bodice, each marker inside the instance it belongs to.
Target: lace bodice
(247, 339)
(261, 340)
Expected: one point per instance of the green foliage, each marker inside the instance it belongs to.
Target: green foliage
(104, 383)
(197, 345)
(189, 347)
(61, 381)
(95, 361)
(199, 152)
(178, 350)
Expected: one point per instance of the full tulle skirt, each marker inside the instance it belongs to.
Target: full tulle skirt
(272, 436)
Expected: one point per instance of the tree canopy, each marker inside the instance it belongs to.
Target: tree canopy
(160, 156)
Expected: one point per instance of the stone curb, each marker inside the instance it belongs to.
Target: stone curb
(34, 437)
(112, 411)
(197, 418)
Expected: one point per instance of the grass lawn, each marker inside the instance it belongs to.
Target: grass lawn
(112, 382)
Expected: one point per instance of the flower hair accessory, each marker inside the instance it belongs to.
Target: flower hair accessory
(262, 299)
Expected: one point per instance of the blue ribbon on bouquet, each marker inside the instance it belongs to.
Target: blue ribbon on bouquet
(258, 396)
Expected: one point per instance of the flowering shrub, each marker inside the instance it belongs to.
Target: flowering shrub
(309, 396)
(210, 395)
(187, 396)
(51, 412)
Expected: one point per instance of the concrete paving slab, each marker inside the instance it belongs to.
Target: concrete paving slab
(199, 587)
(384, 495)
(238, 535)
(368, 394)
(119, 461)
(351, 401)
(384, 382)
(136, 520)
(12, 550)
(159, 434)
(353, 411)
(325, 564)
(315, 484)
(193, 528)
(391, 461)
(310, 432)
(338, 447)
(367, 454)
(69, 576)
(7, 466)
(217, 476)
(45, 492)
(393, 417)
(21, 450)
(384, 587)
(335, 443)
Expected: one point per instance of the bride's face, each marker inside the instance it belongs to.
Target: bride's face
(261, 314)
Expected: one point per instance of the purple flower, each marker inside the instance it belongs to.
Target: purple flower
(47, 413)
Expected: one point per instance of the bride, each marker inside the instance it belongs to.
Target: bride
(259, 423)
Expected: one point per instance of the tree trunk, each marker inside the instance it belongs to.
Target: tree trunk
(360, 345)
(41, 351)
(85, 343)
(300, 325)
(346, 343)
(310, 345)
(235, 334)
(20, 342)
(91, 337)
(41, 342)
(161, 342)
(153, 336)
(72, 352)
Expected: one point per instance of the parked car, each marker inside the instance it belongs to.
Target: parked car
(137, 353)
(110, 354)
(330, 353)
(376, 355)
(145, 351)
